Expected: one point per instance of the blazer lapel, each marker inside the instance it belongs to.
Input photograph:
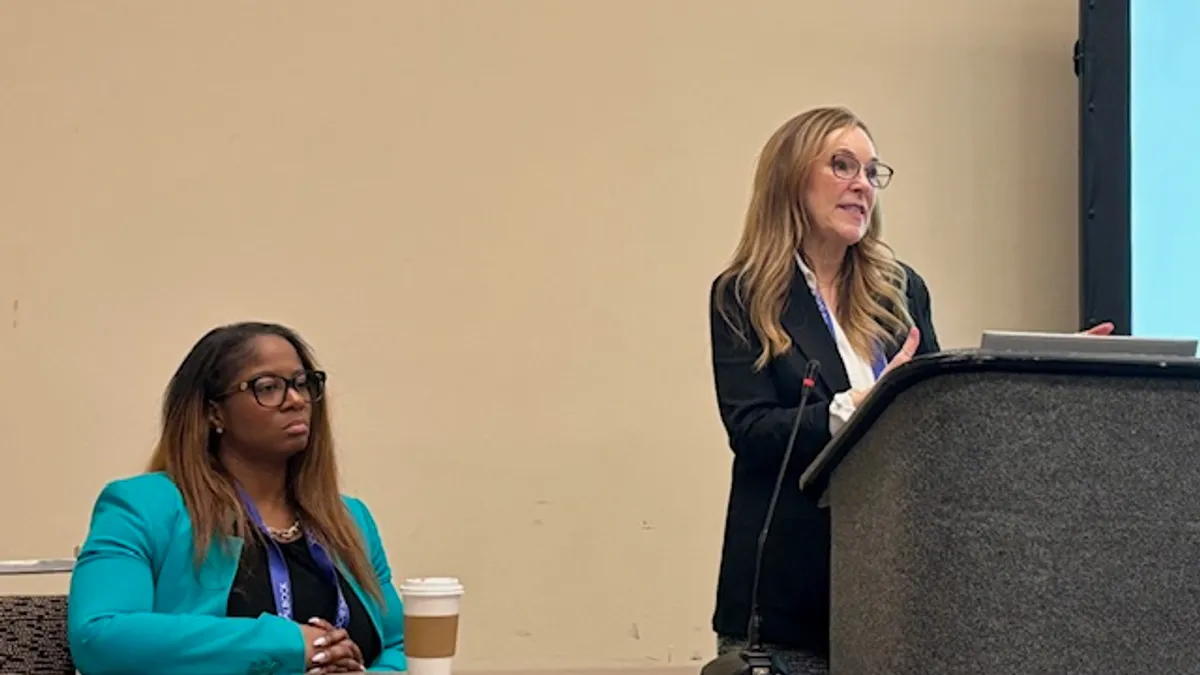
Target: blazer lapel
(220, 566)
(368, 602)
(802, 320)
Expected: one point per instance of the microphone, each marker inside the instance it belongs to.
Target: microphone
(754, 659)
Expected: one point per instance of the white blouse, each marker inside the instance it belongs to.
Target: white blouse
(858, 369)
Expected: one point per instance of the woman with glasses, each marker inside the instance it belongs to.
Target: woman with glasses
(811, 279)
(235, 552)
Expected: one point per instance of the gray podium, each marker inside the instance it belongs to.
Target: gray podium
(1008, 515)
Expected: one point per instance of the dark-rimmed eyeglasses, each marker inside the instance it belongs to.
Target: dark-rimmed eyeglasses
(270, 391)
(847, 166)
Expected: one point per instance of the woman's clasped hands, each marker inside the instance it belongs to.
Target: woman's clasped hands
(328, 649)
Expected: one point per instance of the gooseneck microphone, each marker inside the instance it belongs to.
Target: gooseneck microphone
(754, 659)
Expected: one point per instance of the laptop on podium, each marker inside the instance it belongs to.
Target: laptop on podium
(1074, 343)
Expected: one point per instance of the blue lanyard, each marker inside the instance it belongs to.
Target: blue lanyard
(281, 580)
(877, 365)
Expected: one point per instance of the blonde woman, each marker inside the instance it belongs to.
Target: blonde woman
(235, 552)
(811, 279)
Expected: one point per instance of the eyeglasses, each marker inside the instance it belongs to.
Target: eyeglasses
(847, 166)
(270, 391)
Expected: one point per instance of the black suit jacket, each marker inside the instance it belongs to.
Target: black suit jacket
(758, 410)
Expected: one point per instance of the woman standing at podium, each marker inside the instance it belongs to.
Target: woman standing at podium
(811, 279)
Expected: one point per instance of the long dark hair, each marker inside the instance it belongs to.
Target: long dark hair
(186, 452)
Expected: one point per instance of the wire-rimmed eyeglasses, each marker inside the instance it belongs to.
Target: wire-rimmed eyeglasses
(847, 166)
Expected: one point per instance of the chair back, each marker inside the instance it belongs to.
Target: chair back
(33, 628)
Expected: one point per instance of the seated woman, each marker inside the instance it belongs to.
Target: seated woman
(236, 553)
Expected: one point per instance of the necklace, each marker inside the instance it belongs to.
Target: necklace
(288, 535)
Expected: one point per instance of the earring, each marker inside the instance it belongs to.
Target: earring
(220, 430)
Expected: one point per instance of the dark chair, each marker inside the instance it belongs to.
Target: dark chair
(33, 628)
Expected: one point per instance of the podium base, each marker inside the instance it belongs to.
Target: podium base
(746, 662)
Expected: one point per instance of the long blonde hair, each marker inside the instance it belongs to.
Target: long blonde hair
(186, 452)
(872, 308)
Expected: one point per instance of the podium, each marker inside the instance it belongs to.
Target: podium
(999, 513)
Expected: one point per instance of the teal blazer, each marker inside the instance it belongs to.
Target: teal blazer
(138, 604)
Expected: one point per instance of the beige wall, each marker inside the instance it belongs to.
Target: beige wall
(497, 221)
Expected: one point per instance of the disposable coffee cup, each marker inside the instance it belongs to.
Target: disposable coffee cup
(431, 607)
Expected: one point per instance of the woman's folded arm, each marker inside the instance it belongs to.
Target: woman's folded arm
(112, 626)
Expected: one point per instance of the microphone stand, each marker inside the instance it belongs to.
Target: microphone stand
(754, 659)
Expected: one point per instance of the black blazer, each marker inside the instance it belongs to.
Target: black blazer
(758, 410)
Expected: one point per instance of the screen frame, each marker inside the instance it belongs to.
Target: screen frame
(1102, 65)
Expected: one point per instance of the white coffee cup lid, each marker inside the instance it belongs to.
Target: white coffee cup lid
(431, 586)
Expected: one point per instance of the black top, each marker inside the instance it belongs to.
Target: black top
(758, 409)
(312, 594)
